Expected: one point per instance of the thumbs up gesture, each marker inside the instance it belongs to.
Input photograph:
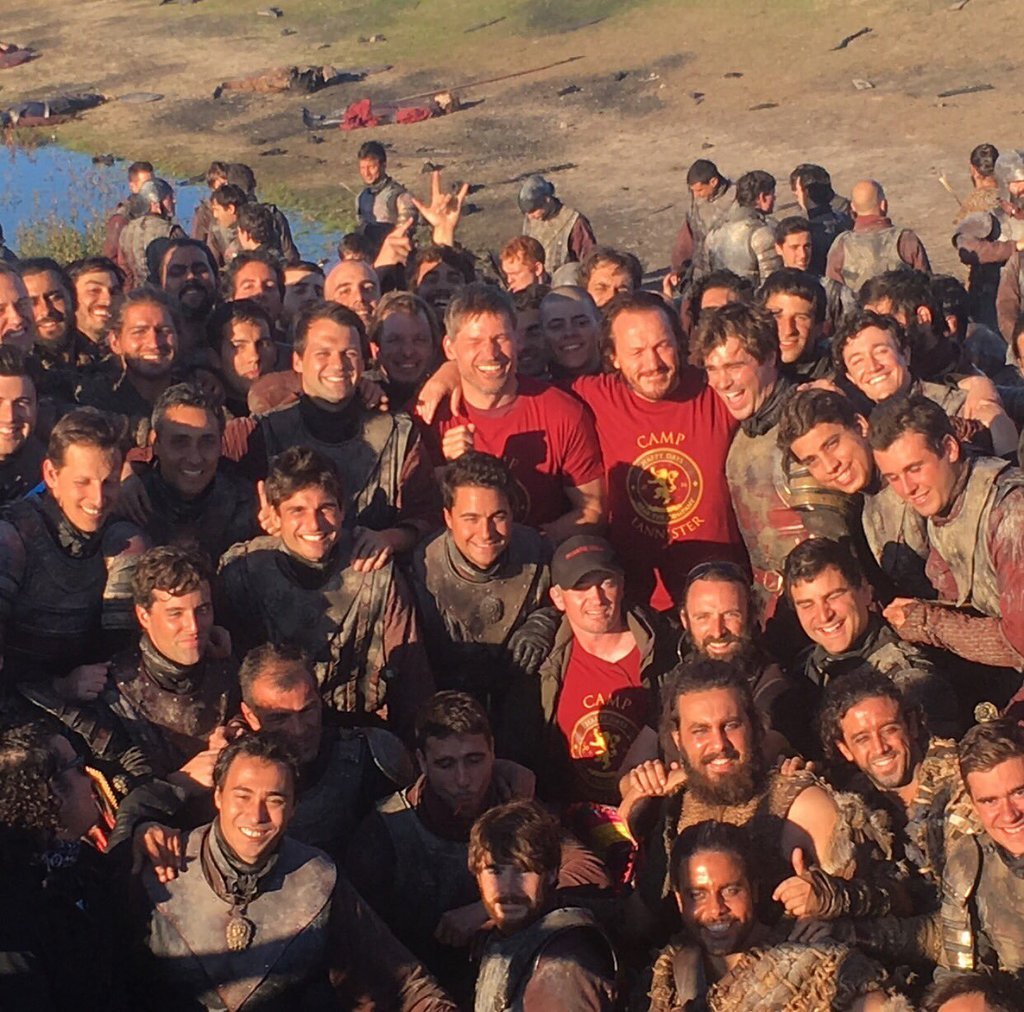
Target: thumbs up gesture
(796, 893)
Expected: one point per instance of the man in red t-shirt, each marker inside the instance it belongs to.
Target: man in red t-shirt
(546, 436)
(575, 721)
(664, 438)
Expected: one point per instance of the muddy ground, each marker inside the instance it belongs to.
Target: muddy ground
(748, 83)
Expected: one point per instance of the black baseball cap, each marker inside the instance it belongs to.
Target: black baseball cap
(581, 556)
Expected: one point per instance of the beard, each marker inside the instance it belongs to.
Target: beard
(196, 309)
(736, 788)
(743, 647)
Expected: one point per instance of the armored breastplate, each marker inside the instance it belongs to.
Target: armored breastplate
(326, 812)
(369, 464)
(999, 899)
(867, 254)
(290, 915)
(729, 246)
(898, 538)
(553, 234)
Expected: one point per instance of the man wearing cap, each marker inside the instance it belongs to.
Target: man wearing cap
(563, 232)
(157, 222)
(597, 693)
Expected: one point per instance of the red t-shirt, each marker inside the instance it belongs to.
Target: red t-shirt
(547, 439)
(601, 709)
(667, 493)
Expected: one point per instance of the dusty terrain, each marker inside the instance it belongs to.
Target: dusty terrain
(748, 83)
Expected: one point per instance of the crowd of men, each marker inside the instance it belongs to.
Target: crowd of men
(443, 632)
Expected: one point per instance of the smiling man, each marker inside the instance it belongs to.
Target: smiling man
(982, 893)
(256, 916)
(571, 323)
(797, 302)
(99, 289)
(17, 320)
(21, 451)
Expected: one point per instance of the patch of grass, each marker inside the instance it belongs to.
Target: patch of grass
(60, 237)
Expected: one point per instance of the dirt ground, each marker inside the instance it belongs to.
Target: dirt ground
(747, 83)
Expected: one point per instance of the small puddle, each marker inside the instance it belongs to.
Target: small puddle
(47, 181)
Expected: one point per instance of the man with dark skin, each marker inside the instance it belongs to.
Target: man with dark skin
(409, 859)
(357, 624)
(99, 289)
(542, 953)
(256, 916)
(185, 270)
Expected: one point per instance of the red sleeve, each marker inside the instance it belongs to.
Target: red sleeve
(419, 500)
(682, 248)
(581, 455)
(1008, 297)
(912, 251)
(581, 239)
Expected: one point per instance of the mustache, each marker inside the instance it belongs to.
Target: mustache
(516, 898)
(725, 753)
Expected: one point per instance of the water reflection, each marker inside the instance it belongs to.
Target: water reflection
(46, 180)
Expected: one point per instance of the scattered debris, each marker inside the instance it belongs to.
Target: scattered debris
(764, 105)
(289, 31)
(271, 12)
(483, 24)
(103, 159)
(843, 43)
(429, 166)
(697, 96)
(861, 84)
(373, 38)
(969, 89)
(314, 139)
(706, 145)
(570, 89)
(500, 77)
(363, 113)
(271, 152)
(49, 112)
(304, 79)
(620, 75)
(959, 5)
(140, 97)
(733, 73)
(13, 55)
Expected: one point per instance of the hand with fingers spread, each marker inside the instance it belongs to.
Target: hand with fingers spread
(268, 518)
(444, 210)
(796, 893)
(370, 549)
(397, 246)
(161, 847)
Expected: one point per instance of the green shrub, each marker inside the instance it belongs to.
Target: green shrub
(64, 239)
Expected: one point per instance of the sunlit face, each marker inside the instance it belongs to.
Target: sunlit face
(795, 319)
(511, 896)
(51, 307)
(606, 281)
(520, 273)
(86, 486)
(484, 349)
(295, 713)
(310, 523)
(594, 605)
(98, 295)
(258, 281)
(459, 769)
(998, 797)
(646, 353)
(703, 191)
(17, 321)
(188, 277)
(146, 341)
(436, 283)
(405, 348)
(837, 457)
(301, 287)
(795, 250)
(480, 521)
(832, 612)
(73, 789)
(246, 353)
(572, 330)
(921, 477)
(331, 364)
(179, 624)
(875, 364)
(878, 739)
(738, 378)
(716, 613)
(187, 446)
(370, 170)
(354, 284)
(18, 411)
(716, 742)
(254, 805)
(717, 902)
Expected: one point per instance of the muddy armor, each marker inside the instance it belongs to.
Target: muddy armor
(194, 962)
(744, 243)
(789, 977)
(222, 515)
(154, 715)
(898, 538)
(827, 222)
(961, 540)
(777, 506)
(328, 809)
(881, 650)
(705, 215)
(135, 240)
(509, 961)
(379, 207)
(21, 471)
(866, 255)
(469, 615)
(982, 897)
(369, 463)
(269, 595)
(65, 597)
(553, 234)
